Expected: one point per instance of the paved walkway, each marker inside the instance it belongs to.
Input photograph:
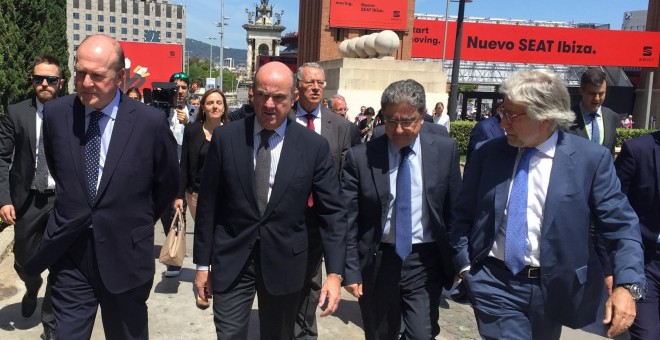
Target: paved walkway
(173, 315)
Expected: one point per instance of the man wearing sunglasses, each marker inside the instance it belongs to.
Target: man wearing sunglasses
(27, 190)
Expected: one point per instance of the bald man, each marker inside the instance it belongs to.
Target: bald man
(114, 162)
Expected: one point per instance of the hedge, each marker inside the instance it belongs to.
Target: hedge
(460, 131)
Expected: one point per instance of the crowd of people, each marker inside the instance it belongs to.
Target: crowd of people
(543, 228)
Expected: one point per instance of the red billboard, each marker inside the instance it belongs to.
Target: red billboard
(150, 62)
(538, 45)
(369, 14)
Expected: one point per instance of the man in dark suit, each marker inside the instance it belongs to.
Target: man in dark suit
(114, 162)
(592, 120)
(339, 132)
(400, 189)
(523, 239)
(250, 226)
(27, 190)
(638, 168)
(486, 129)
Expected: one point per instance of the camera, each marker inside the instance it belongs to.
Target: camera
(163, 96)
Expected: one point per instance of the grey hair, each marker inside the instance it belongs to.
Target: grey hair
(338, 96)
(405, 91)
(310, 64)
(543, 94)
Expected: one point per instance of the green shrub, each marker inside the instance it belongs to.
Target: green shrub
(623, 135)
(460, 131)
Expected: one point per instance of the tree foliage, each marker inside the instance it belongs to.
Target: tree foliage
(29, 28)
(198, 70)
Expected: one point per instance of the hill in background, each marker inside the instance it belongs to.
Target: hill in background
(201, 50)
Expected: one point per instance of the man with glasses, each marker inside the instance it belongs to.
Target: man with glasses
(27, 192)
(522, 223)
(339, 105)
(400, 190)
(339, 134)
(114, 163)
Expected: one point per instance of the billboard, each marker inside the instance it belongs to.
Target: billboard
(538, 45)
(369, 14)
(150, 62)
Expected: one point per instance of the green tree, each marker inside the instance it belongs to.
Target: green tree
(10, 56)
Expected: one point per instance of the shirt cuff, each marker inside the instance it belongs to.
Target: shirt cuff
(203, 267)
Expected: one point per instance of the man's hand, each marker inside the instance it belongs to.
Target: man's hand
(355, 289)
(203, 285)
(181, 116)
(620, 311)
(330, 294)
(8, 214)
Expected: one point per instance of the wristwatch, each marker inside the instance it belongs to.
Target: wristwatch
(634, 289)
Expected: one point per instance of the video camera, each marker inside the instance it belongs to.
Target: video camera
(163, 96)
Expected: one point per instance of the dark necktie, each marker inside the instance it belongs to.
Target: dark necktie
(262, 171)
(595, 129)
(516, 223)
(41, 173)
(93, 152)
(310, 125)
(402, 207)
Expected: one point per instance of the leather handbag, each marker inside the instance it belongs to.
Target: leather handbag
(174, 247)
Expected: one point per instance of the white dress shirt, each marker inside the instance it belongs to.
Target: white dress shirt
(301, 117)
(106, 125)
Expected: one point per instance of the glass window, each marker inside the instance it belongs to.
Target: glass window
(76, 26)
(179, 25)
(147, 22)
(88, 16)
(101, 29)
(124, 30)
(136, 31)
(124, 21)
(76, 15)
(168, 34)
(88, 28)
(100, 18)
(157, 23)
(168, 24)
(76, 37)
(136, 21)
(112, 18)
(113, 30)
(179, 35)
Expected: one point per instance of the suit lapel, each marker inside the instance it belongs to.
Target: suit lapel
(503, 165)
(377, 152)
(430, 161)
(31, 125)
(243, 153)
(562, 181)
(121, 133)
(77, 143)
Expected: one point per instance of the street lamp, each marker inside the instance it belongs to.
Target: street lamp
(211, 55)
(222, 25)
(453, 93)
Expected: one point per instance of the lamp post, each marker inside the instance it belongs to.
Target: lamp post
(222, 25)
(453, 93)
(211, 55)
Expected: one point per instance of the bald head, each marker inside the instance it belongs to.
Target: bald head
(275, 69)
(99, 70)
(273, 94)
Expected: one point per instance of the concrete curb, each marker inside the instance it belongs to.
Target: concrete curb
(6, 241)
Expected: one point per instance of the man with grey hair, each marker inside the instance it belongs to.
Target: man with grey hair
(339, 105)
(522, 234)
(400, 189)
(308, 111)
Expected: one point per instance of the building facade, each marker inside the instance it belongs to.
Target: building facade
(125, 20)
(634, 21)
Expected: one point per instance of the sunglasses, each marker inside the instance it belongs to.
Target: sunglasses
(180, 75)
(51, 80)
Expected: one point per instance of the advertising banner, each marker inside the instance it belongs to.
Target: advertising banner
(150, 62)
(369, 14)
(537, 45)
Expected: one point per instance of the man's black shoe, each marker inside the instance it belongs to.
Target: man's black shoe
(28, 305)
(48, 334)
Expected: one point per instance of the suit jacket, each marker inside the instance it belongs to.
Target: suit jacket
(18, 143)
(610, 123)
(582, 184)
(228, 222)
(139, 181)
(431, 127)
(366, 189)
(193, 140)
(486, 129)
(339, 132)
(638, 168)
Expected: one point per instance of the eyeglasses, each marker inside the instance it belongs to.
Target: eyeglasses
(179, 75)
(345, 109)
(51, 80)
(404, 123)
(310, 83)
(509, 116)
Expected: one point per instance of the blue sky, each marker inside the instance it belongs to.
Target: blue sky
(202, 14)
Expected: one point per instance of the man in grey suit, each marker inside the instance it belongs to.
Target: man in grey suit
(341, 135)
(400, 189)
(27, 190)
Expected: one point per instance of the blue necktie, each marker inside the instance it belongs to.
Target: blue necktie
(595, 129)
(402, 207)
(516, 223)
(93, 152)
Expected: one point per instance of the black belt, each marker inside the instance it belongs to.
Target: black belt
(45, 192)
(416, 247)
(528, 271)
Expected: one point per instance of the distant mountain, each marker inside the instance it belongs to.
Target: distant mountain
(201, 50)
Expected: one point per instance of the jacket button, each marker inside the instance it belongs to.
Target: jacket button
(250, 246)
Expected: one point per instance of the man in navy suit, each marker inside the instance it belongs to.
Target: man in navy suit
(114, 162)
(486, 129)
(250, 226)
(638, 168)
(523, 238)
(393, 287)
